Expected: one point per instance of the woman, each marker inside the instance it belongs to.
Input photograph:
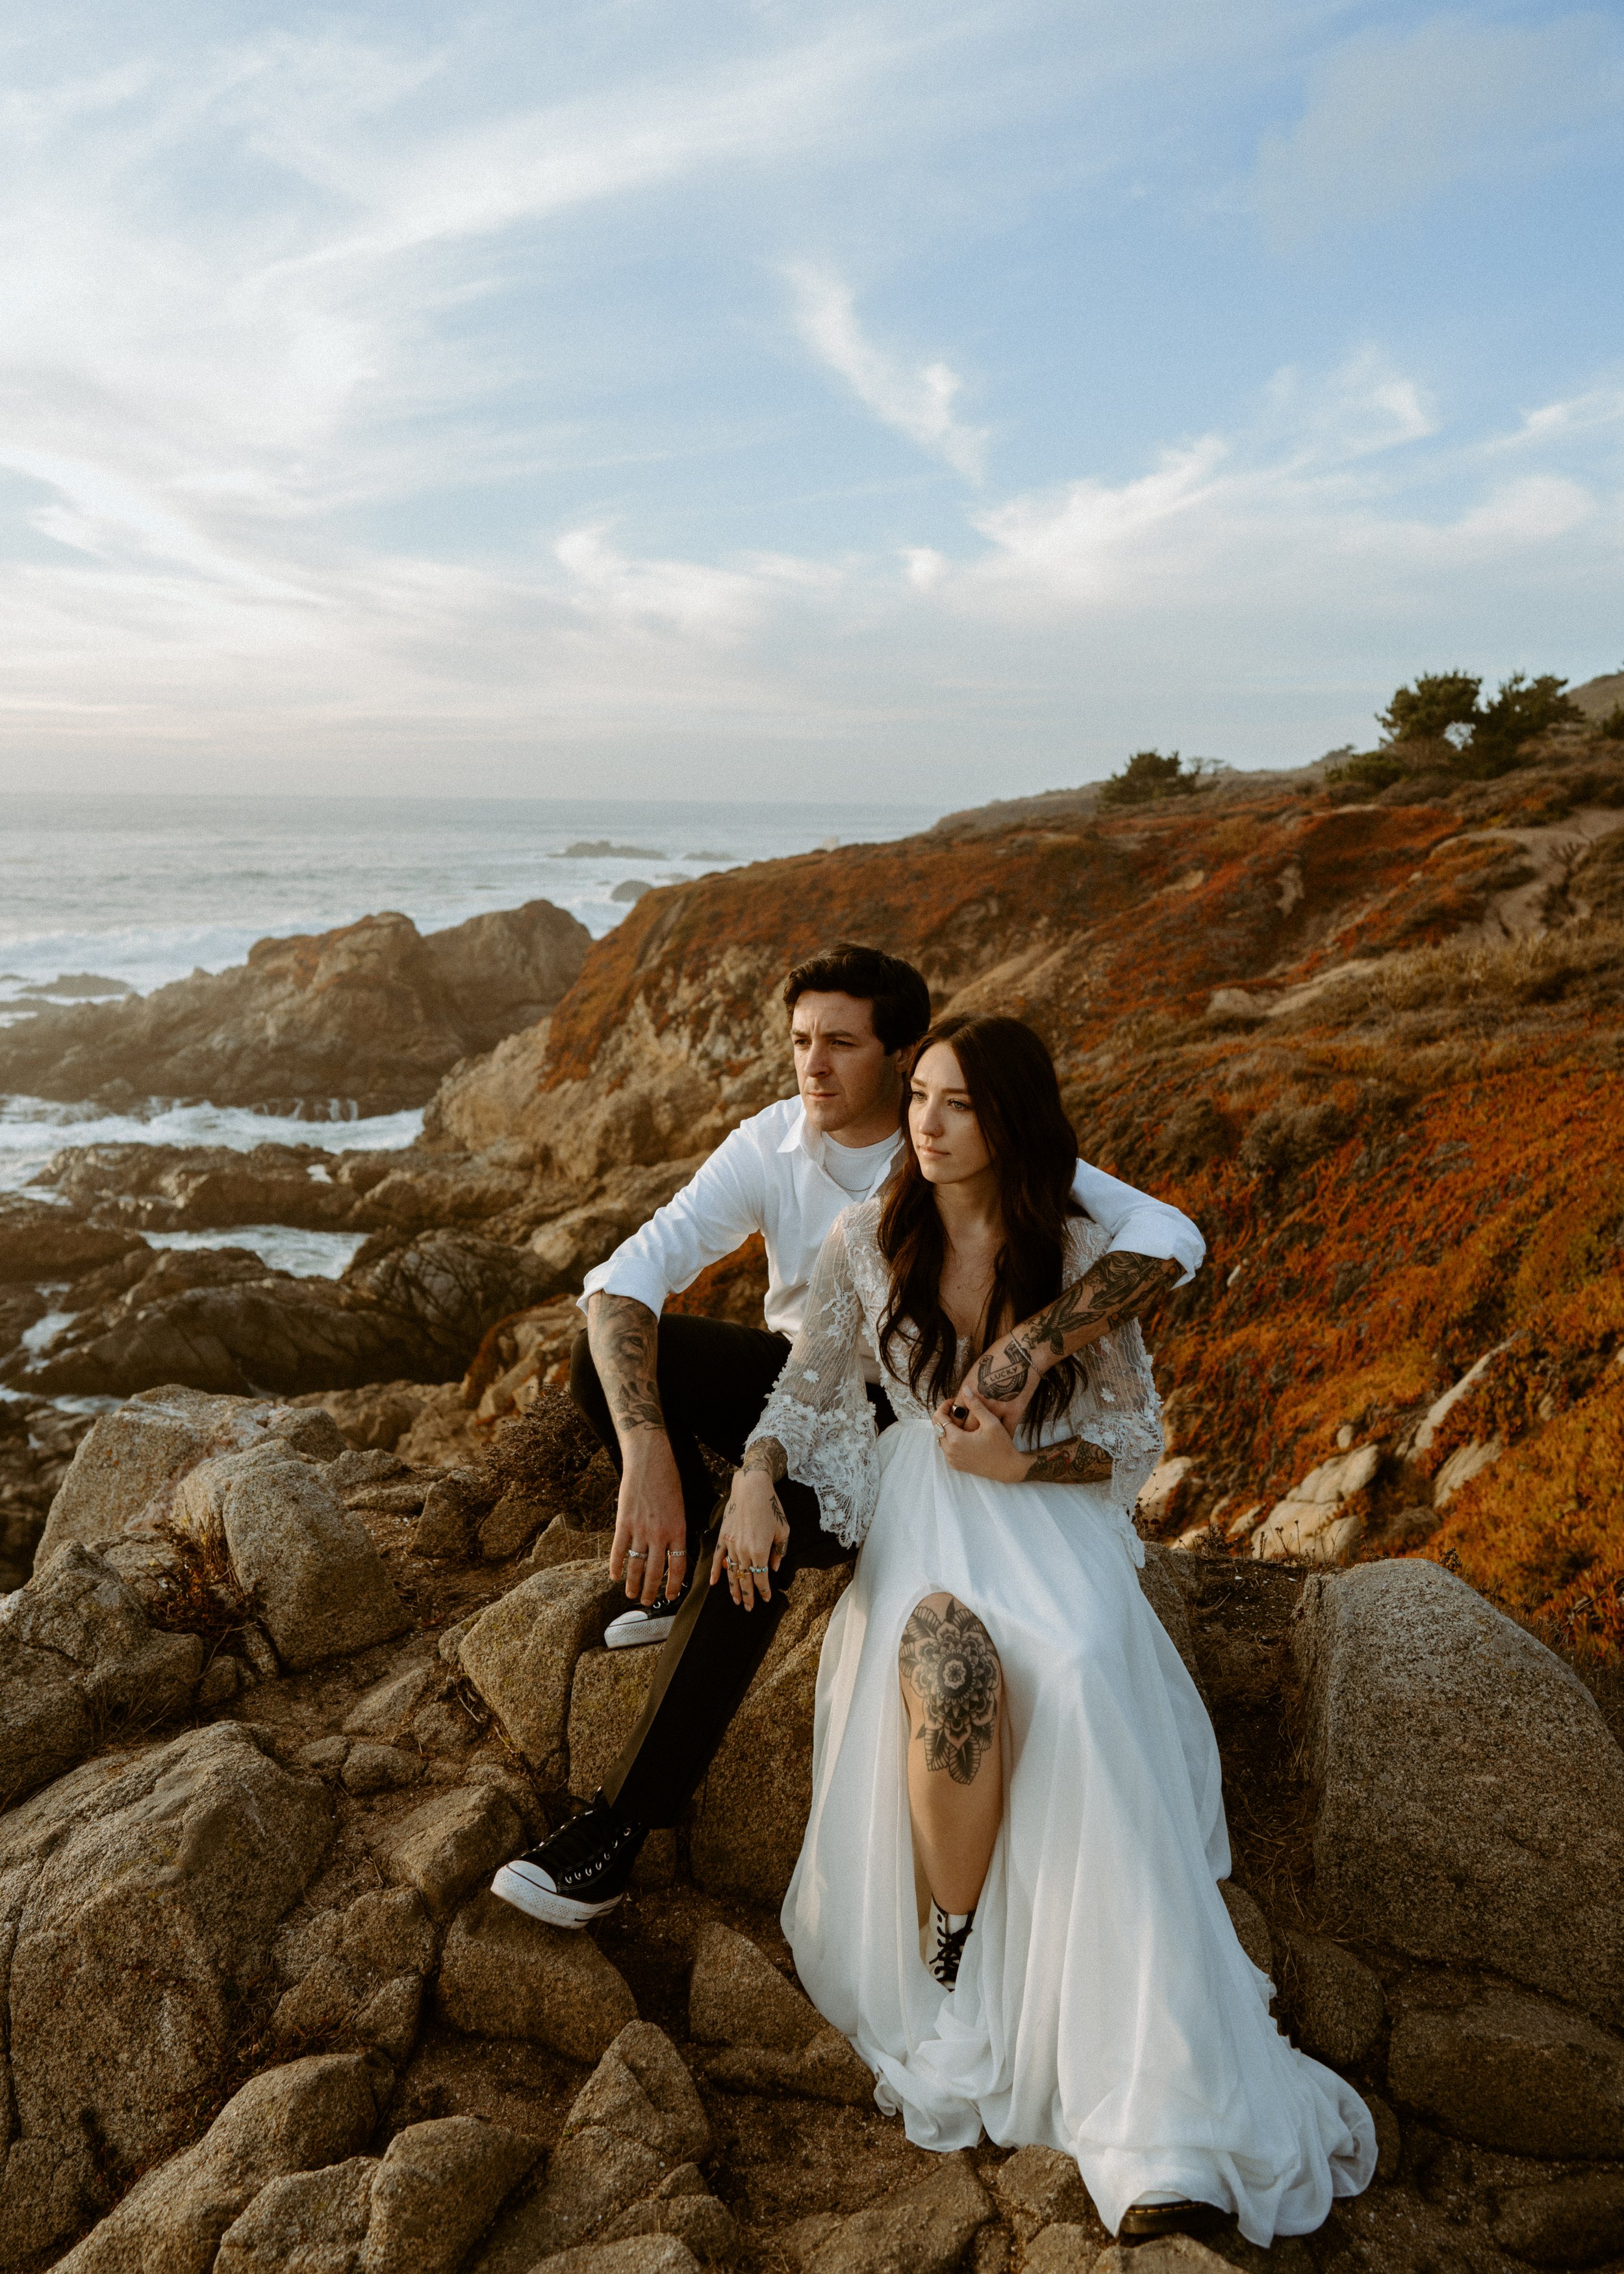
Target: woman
(1007, 1896)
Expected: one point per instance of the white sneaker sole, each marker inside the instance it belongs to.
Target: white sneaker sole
(526, 1892)
(630, 1632)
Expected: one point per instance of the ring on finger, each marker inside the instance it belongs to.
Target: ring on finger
(636, 1555)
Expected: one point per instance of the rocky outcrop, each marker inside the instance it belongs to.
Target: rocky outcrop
(309, 2113)
(1471, 1797)
(1321, 1520)
(520, 1655)
(306, 1567)
(127, 1465)
(405, 1308)
(77, 1656)
(355, 1977)
(145, 1188)
(417, 2210)
(507, 1976)
(138, 1906)
(1510, 2071)
(776, 2040)
(39, 1241)
(637, 2129)
(373, 1013)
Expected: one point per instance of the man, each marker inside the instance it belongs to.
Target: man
(657, 1388)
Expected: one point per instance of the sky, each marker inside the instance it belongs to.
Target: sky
(736, 399)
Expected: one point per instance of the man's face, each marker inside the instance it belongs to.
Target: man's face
(850, 1084)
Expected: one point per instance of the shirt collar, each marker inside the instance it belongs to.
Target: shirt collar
(801, 1137)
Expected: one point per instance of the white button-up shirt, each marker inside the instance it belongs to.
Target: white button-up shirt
(769, 1178)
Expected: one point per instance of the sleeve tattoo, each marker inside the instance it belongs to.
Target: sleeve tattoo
(769, 1456)
(1117, 1288)
(1072, 1462)
(623, 1336)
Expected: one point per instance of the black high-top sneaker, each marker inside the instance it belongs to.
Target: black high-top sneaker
(579, 1871)
(950, 1931)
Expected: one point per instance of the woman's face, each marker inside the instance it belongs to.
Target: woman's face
(947, 1137)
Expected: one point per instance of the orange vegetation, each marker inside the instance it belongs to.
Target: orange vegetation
(1400, 1123)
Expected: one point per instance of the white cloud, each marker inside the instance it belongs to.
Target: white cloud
(1300, 510)
(917, 401)
(686, 596)
(1393, 116)
(1558, 422)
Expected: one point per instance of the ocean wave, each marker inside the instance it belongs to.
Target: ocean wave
(32, 1128)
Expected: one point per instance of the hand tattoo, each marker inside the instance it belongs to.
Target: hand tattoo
(1117, 1288)
(1003, 1371)
(623, 1336)
(1073, 1462)
(947, 1660)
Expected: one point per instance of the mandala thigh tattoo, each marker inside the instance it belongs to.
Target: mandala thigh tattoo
(947, 1660)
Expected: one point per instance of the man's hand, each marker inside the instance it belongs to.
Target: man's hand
(651, 1525)
(650, 1522)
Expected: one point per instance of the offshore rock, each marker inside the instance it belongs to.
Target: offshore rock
(40, 1241)
(373, 1012)
(404, 1308)
(1471, 1798)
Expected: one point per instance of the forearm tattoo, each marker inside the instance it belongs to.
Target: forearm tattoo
(948, 1660)
(1073, 1462)
(767, 1455)
(1119, 1286)
(623, 1336)
(1003, 1371)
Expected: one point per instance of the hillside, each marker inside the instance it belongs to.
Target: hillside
(1373, 1045)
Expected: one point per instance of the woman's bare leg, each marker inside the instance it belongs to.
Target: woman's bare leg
(953, 1688)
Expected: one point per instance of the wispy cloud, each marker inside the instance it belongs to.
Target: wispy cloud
(393, 393)
(1555, 423)
(917, 400)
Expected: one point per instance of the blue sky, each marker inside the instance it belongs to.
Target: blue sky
(934, 401)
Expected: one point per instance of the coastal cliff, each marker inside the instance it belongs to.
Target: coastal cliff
(306, 1632)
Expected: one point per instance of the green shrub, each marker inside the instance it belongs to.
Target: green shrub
(1523, 708)
(1423, 712)
(1149, 776)
(1370, 770)
(1613, 725)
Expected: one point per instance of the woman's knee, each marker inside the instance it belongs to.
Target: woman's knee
(950, 1668)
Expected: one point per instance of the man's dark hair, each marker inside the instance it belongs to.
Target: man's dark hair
(899, 997)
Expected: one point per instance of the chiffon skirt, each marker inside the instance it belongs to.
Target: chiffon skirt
(1104, 2007)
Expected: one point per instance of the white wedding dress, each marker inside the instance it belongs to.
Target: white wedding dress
(1104, 2006)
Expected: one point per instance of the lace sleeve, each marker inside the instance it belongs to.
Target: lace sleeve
(819, 1410)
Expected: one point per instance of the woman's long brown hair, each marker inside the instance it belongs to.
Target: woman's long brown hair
(1016, 1097)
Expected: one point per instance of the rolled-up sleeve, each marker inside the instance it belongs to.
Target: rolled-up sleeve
(1137, 1224)
(718, 1208)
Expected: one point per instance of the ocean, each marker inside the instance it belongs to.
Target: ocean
(138, 891)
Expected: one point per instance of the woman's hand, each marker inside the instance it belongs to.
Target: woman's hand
(753, 1535)
(979, 1445)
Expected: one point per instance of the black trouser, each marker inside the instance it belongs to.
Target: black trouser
(713, 1380)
